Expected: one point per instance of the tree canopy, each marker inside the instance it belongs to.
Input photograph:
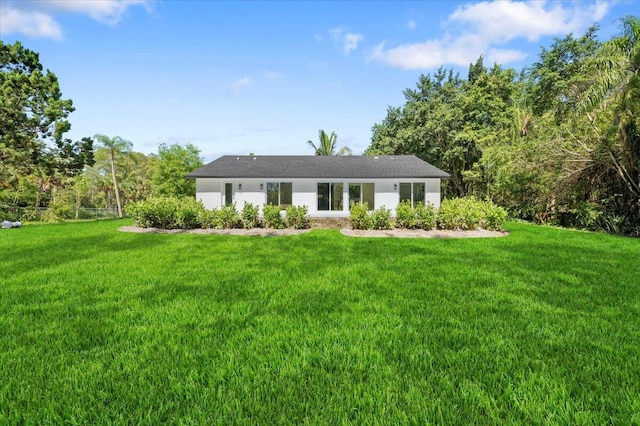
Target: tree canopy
(174, 163)
(33, 120)
(558, 142)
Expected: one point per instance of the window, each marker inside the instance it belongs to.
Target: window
(362, 193)
(413, 192)
(228, 194)
(330, 196)
(280, 193)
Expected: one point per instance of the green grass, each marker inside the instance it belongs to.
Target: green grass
(98, 326)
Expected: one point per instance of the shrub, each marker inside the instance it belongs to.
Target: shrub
(405, 215)
(210, 219)
(58, 211)
(425, 215)
(298, 217)
(271, 216)
(250, 216)
(189, 213)
(359, 215)
(167, 213)
(494, 216)
(155, 212)
(468, 213)
(381, 218)
(228, 217)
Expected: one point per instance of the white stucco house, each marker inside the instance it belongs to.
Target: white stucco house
(327, 185)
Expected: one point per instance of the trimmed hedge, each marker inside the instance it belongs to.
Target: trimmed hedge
(457, 213)
(187, 213)
(166, 213)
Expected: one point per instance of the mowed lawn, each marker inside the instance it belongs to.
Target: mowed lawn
(100, 326)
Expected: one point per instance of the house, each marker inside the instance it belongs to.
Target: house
(327, 185)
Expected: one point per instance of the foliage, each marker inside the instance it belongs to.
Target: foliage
(33, 121)
(250, 216)
(359, 216)
(228, 217)
(381, 219)
(271, 216)
(406, 216)
(469, 213)
(328, 144)
(32, 112)
(425, 331)
(419, 217)
(166, 213)
(134, 175)
(174, 163)
(115, 146)
(442, 123)
(297, 217)
(559, 145)
(425, 215)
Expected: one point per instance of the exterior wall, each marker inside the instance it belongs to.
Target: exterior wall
(208, 191)
(211, 192)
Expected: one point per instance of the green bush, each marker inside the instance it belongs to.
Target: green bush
(494, 216)
(229, 218)
(469, 213)
(381, 218)
(250, 216)
(210, 219)
(406, 216)
(167, 213)
(419, 217)
(425, 215)
(189, 213)
(298, 217)
(58, 211)
(359, 216)
(155, 212)
(271, 217)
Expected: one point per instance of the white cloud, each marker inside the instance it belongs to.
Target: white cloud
(37, 18)
(412, 25)
(31, 24)
(241, 84)
(482, 28)
(108, 12)
(349, 41)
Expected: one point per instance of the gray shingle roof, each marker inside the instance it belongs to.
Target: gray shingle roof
(318, 166)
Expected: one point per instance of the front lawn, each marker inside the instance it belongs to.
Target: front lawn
(99, 326)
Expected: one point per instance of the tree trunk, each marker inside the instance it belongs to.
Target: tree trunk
(115, 183)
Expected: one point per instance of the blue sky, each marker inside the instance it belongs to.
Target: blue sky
(263, 77)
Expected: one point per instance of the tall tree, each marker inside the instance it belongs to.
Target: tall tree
(327, 145)
(116, 146)
(174, 163)
(33, 120)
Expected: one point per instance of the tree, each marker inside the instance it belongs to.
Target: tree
(174, 163)
(116, 146)
(328, 145)
(33, 120)
(611, 106)
(448, 121)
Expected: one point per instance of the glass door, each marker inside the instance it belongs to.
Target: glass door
(228, 194)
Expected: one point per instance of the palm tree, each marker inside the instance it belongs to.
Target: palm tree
(327, 145)
(115, 145)
(616, 69)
